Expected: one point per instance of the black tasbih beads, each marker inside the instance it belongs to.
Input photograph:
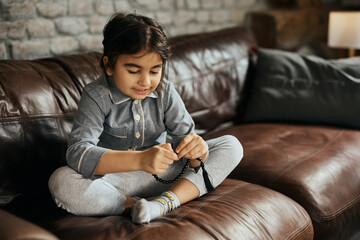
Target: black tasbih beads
(176, 178)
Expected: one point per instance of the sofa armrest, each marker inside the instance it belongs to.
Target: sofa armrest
(12, 227)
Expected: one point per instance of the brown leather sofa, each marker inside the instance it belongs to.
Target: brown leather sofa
(297, 180)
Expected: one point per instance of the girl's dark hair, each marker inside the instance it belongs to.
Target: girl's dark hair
(131, 33)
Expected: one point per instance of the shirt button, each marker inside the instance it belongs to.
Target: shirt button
(137, 135)
(137, 117)
(136, 101)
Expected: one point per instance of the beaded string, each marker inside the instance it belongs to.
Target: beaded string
(208, 184)
(176, 178)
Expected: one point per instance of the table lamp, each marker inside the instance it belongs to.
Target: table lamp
(344, 31)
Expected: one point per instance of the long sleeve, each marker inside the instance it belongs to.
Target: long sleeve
(83, 154)
(178, 121)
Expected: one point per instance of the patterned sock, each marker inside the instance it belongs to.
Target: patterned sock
(144, 211)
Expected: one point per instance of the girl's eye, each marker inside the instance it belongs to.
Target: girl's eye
(154, 72)
(133, 72)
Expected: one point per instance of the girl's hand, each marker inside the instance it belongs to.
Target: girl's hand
(157, 159)
(192, 147)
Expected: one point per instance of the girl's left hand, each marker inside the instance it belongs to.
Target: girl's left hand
(193, 146)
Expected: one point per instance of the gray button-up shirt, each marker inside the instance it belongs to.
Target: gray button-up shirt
(107, 119)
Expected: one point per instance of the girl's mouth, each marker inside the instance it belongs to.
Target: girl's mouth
(140, 91)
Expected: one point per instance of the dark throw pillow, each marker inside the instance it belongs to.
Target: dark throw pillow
(288, 86)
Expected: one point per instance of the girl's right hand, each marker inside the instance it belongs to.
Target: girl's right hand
(157, 159)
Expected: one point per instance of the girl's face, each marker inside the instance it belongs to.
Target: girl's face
(136, 75)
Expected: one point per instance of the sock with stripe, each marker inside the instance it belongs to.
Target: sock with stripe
(143, 211)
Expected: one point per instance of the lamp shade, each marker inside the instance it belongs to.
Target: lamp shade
(344, 29)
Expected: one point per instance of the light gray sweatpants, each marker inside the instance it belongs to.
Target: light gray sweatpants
(106, 194)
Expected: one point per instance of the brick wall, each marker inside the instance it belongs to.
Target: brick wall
(41, 28)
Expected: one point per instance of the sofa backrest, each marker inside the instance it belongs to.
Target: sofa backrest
(209, 73)
(38, 98)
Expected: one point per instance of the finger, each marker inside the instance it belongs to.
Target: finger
(170, 154)
(188, 149)
(167, 146)
(167, 161)
(160, 171)
(186, 140)
(194, 153)
(195, 143)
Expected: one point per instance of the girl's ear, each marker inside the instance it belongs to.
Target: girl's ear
(108, 68)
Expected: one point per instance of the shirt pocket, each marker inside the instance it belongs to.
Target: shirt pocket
(114, 138)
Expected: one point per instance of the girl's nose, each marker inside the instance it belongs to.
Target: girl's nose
(144, 80)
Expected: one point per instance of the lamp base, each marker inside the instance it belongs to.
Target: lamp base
(351, 52)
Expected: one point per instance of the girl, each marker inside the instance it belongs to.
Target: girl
(119, 134)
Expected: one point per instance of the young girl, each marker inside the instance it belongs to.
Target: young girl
(118, 140)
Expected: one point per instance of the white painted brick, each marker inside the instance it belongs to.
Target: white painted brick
(3, 53)
(246, 3)
(229, 3)
(4, 28)
(183, 17)
(74, 23)
(90, 42)
(16, 29)
(202, 16)
(104, 7)
(238, 16)
(219, 16)
(177, 30)
(213, 27)
(194, 28)
(30, 49)
(63, 45)
(193, 4)
(211, 4)
(180, 4)
(15, 10)
(148, 4)
(40, 27)
(52, 9)
(122, 6)
(97, 23)
(71, 25)
(80, 7)
(144, 11)
(165, 18)
(166, 4)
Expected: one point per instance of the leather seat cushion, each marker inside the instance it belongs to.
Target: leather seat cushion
(236, 209)
(317, 166)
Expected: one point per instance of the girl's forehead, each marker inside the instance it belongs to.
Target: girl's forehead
(143, 57)
(143, 53)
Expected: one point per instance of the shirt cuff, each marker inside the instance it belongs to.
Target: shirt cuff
(90, 159)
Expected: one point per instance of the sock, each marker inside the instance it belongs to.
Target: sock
(143, 211)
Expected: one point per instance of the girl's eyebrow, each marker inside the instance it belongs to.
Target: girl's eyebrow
(138, 66)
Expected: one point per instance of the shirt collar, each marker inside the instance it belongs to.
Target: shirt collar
(117, 96)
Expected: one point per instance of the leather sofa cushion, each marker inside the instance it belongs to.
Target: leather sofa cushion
(288, 86)
(317, 166)
(236, 210)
